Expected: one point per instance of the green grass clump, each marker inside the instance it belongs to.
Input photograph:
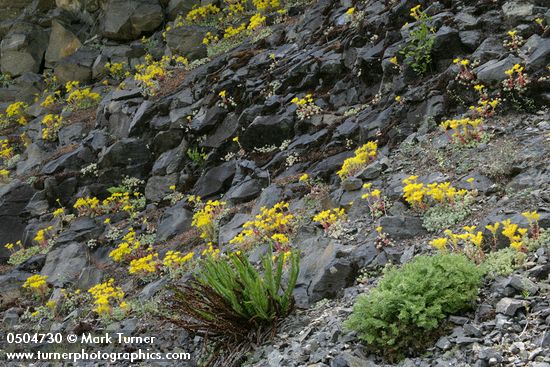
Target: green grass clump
(229, 297)
(397, 317)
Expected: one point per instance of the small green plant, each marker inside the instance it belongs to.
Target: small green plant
(418, 50)
(441, 217)
(543, 238)
(197, 156)
(229, 297)
(502, 262)
(5, 80)
(408, 306)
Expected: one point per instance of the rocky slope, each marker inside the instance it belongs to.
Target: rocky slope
(225, 127)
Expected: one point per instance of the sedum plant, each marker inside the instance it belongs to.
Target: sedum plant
(409, 304)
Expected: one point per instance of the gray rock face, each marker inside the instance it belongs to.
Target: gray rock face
(509, 306)
(22, 50)
(182, 7)
(267, 130)
(77, 66)
(401, 227)
(492, 72)
(187, 41)
(174, 221)
(13, 199)
(10, 286)
(63, 42)
(132, 155)
(159, 186)
(215, 180)
(128, 20)
(64, 265)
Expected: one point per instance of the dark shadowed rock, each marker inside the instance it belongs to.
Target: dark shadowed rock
(267, 130)
(492, 72)
(77, 66)
(401, 227)
(126, 20)
(175, 220)
(215, 180)
(187, 41)
(22, 50)
(10, 286)
(13, 199)
(64, 265)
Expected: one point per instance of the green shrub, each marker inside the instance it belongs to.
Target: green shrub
(229, 297)
(407, 307)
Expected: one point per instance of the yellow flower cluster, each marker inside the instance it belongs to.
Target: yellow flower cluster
(210, 38)
(302, 101)
(87, 205)
(120, 201)
(42, 234)
(465, 130)
(49, 101)
(235, 7)
(517, 80)
(415, 12)
(472, 242)
(263, 5)
(374, 200)
(129, 244)
(328, 218)
(58, 212)
(180, 61)
(234, 31)
(202, 12)
(461, 62)
(150, 74)
(306, 107)
(514, 234)
(36, 284)
(363, 156)
(516, 69)
(276, 220)
(485, 106)
(10, 246)
(210, 251)
(4, 174)
(71, 86)
(174, 259)
(81, 98)
(206, 219)
(117, 70)
(304, 178)
(16, 112)
(145, 265)
(419, 196)
(52, 123)
(106, 296)
(256, 21)
(6, 152)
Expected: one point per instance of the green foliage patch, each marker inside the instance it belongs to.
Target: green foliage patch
(397, 317)
(230, 297)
